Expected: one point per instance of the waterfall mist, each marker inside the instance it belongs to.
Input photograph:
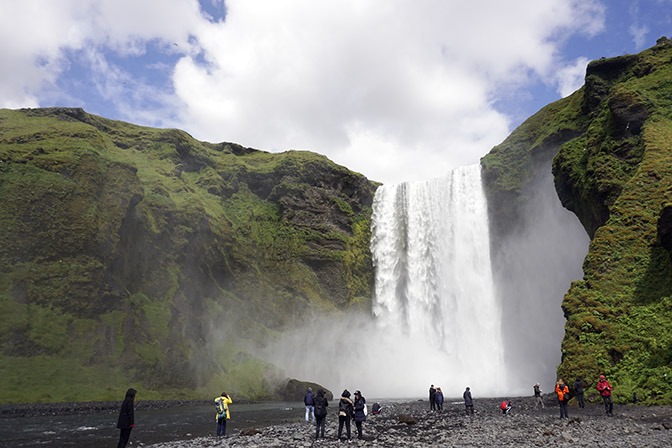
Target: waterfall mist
(435, 318)
(533, 268)
(431, 253)
(444, 312)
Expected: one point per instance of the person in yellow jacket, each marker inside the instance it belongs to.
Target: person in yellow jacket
(563, 396)
(222, 405)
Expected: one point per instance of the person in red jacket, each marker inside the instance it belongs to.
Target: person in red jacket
(505, 406)
(604, 388)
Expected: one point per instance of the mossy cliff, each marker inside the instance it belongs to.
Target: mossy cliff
(611, 145)
(132, 255)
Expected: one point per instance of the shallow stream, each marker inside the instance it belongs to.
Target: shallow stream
(98, 429)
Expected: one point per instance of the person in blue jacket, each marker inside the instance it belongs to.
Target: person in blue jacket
(309, 401)
(360, 415)
(439, 400)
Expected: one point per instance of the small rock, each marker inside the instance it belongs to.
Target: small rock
(249, 432)
(409, 420)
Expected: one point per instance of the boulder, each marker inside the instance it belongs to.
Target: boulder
(295, 390)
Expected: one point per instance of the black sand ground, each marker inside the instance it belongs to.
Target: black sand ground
(524, 426)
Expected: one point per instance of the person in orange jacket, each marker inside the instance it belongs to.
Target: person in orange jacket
(563, 396)
(604, 388)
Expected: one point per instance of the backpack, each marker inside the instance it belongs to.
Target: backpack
(219, 406)
(376, 408)
(320, 409)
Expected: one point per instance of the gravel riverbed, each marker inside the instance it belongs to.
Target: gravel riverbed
(524, 426)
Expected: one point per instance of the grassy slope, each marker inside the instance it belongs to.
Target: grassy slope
(616, 179)
(87, 298)
(620, 315)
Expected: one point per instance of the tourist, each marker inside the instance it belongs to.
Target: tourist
(345, 414)
(126, 420)
(321, 405)
(432, 398)
(360, 413)
(439, 400)
(578, 387)
(537, 395)
(563, 396)
(505, 406)
(309, 401)
(604, 388)
(468, 402)
(222, 406)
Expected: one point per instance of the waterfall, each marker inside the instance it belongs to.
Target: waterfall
(434, 283)
(443, 311)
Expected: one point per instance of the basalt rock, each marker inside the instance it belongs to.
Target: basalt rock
(295, 390)
(609, 143)
(165, 260)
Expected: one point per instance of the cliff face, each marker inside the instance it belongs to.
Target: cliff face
(612, 162)
(135, 255)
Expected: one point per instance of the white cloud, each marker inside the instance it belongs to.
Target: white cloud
(570, 77)
(638, 33)
(38, 38)
(396, 90)
(636, 30)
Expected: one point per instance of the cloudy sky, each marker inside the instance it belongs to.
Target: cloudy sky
(395, 89)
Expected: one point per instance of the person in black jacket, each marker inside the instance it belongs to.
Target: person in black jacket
(539, 400)
(578, 387)
(468, 401)
(126, 420)
(345, 413)
(360, 416)
(321, 405)
(432, 398)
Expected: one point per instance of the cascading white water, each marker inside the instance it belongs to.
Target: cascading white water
(431, 253)
(436, 318)
(444, 313)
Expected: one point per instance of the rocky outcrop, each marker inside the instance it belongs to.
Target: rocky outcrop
(612, 167)
(295, 390)
(169, 258)
(665, 228)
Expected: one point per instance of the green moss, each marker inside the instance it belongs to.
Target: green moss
(56, 379)
(508, 166)
(121, 246)
(159, 315)
(620, 322)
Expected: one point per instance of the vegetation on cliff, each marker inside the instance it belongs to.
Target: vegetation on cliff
(138, 255)
(611, 143)
(131, 255)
